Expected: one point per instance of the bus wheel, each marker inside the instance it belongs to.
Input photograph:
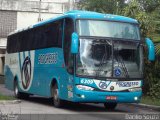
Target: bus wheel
(19, 94)
(56, 100)
(110, 106)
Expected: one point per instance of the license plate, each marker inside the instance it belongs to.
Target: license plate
(111, 97)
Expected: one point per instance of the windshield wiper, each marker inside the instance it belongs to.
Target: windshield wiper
(123, 65)
(101, 63)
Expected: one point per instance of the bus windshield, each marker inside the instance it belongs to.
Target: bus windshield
(108, 29)
(109, 58)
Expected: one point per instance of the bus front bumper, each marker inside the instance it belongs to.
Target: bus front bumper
(102, 97)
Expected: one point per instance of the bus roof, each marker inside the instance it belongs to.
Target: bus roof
(79, 14)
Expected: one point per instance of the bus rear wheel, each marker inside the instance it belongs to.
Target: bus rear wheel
(55, 94)
(110, 106)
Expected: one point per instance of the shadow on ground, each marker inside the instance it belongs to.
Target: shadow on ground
(78, 107)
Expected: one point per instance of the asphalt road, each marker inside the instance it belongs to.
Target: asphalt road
(42, 108)
(38, 106)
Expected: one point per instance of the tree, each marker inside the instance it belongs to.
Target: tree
(103, 6)
(158, 51)
(135, 10)
(149, 5)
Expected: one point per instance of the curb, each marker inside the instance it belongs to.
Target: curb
(10, 101)
(153, 107)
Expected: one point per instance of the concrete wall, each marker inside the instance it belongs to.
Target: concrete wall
(2, 54)
(8, 22)
(25, 19)
(2, 44)
(25, 12)
(33, 5)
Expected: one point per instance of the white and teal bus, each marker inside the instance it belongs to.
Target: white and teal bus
(80, 56)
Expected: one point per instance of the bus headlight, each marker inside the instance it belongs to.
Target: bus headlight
(135, 89)
(84, 87)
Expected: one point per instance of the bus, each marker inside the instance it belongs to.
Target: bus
(80, 56)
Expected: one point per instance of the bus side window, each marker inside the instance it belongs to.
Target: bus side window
(53, 34)
(45, 36)
(68, 57)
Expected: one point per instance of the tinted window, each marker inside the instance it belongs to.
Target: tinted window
(48, 35)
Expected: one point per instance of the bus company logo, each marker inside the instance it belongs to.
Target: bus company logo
(117, 72)
(103, 84)
(26, 73)
(48, 58)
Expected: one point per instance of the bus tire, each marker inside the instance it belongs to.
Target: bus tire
(18, 94)
(110, 106)
(55, 96)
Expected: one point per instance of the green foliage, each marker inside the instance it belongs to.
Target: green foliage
(152, 79)
(150, 101)
(4, 97)
(149, 5)
(135, 10)
(103, 6)
(158, 49)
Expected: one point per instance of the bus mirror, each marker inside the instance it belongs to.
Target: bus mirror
(74, 43)
(151, 49)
